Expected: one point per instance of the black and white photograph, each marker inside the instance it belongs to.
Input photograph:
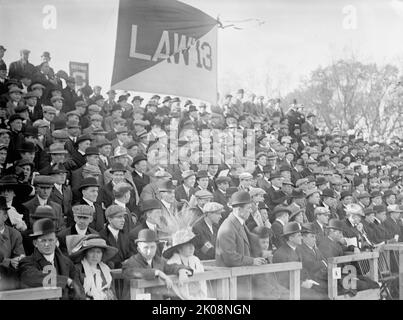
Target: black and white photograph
(218, 152)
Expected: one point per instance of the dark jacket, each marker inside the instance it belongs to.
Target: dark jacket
(140, 182)
(64, 201)
(205, 241)
(31, 273)
(99, 216)
(61, 236)
(122, 245)
(137, 268)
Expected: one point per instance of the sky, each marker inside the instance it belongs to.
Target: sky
(296, 37)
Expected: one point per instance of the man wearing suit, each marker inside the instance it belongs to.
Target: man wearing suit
(46, 254)
(105, 148)
(69, 94)
(21, 68)
(274, 193)
(288, 253)
(393, 223)
(150, 219)
(83, 216)
(168, 202)
(140, 179)
(122, 195)
(89, 189)
(379, 223)
(281, 215)
(147, 264)
(206, 231)
(61, 193)
(235, 245)
(184, 192)
(43, 187)
(321, 220)
(312, 259)
(114, 234)
(220, 194)
(151, 190)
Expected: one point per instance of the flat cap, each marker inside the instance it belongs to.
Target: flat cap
(60, 134)
(40, 123)
(45, 181)
(49, 109)
(203, 194)
(188, 173)
(245, 176)
(96, 117)
(113, 210)
(91, 169)
(256, 191)
(83, 210)
(213, 207)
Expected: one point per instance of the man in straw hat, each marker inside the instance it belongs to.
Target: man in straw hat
(146, 264)
(48, 256)
(206, 231)
(292, 239)
(233, 246)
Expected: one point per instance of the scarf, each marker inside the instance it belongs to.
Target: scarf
(93, 280)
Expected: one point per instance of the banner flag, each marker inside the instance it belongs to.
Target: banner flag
(165, 47)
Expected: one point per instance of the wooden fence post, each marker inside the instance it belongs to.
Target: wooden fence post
(233, 288)
(332, 283)
(400, 274)
(295, 285)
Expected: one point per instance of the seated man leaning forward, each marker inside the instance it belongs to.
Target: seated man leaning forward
(147, 265)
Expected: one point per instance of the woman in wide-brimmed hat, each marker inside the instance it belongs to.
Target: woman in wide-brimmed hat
(182, 252)
(90, 252)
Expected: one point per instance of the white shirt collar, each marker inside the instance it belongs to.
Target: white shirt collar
(209, 226)
(79, 231)
(139, 173)
(119, 203)
(166, 204)
(114, 232)
(50, 257)
(282, 223)
(42, 202)
(291, 246)
(89, 202)
(151, 226)
(81, 152)
(242, 221)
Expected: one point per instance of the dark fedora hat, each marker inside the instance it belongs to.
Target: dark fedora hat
(82, 138)
(201, 174)
(10, 182)
(147, 235)
(240, 198)
(150, 205)
(139, 158)
(42, 227)
(291, 228)
(44, 212)
(57, 169)
(280, 210)
(88, 182)
(308, 228)
(117, 167)
(335, 224)
(167, 186)
(27, 146)
(90, 151)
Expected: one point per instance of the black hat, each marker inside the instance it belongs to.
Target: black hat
(308, 228)
(30, 131)
(201, 174)
(27, 146)
(335, 224)
(44, 212)
(150, 205)
(328, 193)
(275, 175)
(91, 151)
(14, 117)
(58, 168)
(11, 182)
(147, 235)
(42, 227)
(139, 158)
(222, 179)
(117, 167)
(262, 232)
(279, 210)
(166, 186)
(82, 138)
(291, 228)
(88, 182)
(240, 198)
(345, 194)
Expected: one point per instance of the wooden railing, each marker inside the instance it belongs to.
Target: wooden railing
(397, 248)
(225, 278)
(372, 258)
(32, 294)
